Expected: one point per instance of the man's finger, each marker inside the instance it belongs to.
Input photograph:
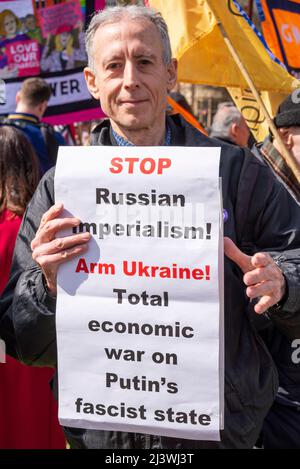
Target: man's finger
(262, 289)
(60, 244)
(51, 227)
(261, 259)
(49, 263)
(52, 213)
(261, 274)
(264, 304)
(237, 256)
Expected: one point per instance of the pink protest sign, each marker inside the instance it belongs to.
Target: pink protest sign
(25, 56)
(56, 16)
(99, 4)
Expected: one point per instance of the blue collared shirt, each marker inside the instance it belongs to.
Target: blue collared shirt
(122, 142)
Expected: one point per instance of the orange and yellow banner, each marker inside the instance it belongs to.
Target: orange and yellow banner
(204, 58)
(280, 21)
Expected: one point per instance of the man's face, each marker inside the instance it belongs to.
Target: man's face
(131, 79)
(295, 146)
(291, 139)
(242, 133)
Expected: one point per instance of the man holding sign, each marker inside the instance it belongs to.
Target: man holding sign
(131, 77)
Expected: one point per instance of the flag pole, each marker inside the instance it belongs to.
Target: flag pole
(287, 156)
(250, 9)
(186, 115)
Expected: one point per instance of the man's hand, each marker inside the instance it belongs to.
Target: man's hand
(49, 252)
(262, 277)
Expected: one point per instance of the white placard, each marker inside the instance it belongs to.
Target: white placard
(139, 320)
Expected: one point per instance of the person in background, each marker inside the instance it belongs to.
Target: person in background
(27, 408)
(32, 101)
(287, 121)
(19, 176)
(281, 429)
(229, 125)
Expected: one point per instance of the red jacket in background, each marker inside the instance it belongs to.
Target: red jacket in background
(28, 412)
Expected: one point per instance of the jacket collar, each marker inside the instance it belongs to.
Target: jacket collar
(24, 116)
(182, 134)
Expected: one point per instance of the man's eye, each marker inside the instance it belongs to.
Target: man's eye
(145, 62)
(113, 66)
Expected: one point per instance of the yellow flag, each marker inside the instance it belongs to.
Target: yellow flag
(251, 110)
(204, 58)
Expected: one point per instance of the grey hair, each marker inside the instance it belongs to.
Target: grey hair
(226, 115)
(115, 14)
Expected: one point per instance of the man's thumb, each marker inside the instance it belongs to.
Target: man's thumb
(237, 256)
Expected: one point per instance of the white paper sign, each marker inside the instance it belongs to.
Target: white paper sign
(138, 316)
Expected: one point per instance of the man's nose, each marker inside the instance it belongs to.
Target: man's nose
(130, 76)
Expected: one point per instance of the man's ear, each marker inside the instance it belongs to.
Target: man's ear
(234, 130)
(286, 136)
(42, 108)
(172, 75)
(91, 82)
(18, 97)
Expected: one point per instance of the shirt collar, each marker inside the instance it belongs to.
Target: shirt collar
(122, 142)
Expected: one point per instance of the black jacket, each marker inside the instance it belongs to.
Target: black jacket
(28, 313)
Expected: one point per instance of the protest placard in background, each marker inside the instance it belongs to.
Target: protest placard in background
(46, 38)
(280, 22)
(20, 52)
(53, 17)
(138, 316)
